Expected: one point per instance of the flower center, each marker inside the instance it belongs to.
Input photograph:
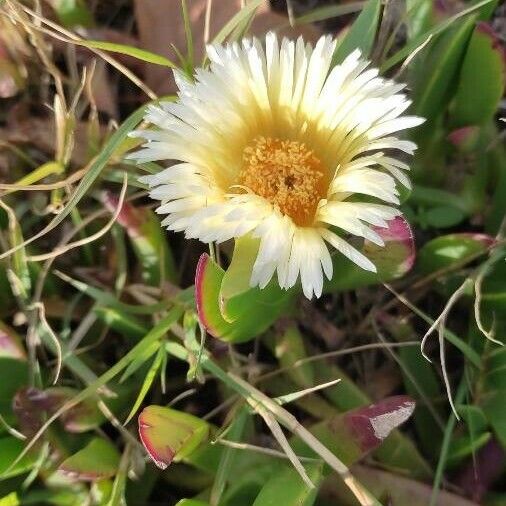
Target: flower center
(287, 174)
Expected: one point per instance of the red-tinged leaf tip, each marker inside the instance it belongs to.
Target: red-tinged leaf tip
(486, 240)
(129, 217)
(372, 424)
(9, 348)
(495, 40)
(168, 434)
(162, 457)
(452, 249)
(199, 292)
(399, 231)
(465, 137)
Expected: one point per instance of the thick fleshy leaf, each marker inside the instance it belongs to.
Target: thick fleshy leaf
(32, 406)
(237, 296)
(170, 435)
(97, 460)
(431, 90)
(285, 487)
(10, 448)
(288, 349)
(392, 260)
(451, 250)
(357, 432)
(148, 240)
(398, 450)
(479, 93)
(236, 278)
(362, 33)
(443, 216)
(247, 315)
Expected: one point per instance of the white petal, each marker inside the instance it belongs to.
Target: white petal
(347, 250)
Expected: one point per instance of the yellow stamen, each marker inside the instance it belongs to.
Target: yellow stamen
(287, 174)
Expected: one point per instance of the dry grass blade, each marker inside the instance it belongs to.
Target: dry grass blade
(440, 321)
(278, 433)
(11, 430)
(412, 56)
(260, 449)
(69, 37)
(38, 306)
(409, 374)
(292, 424)
(440, 325)
(11, 188)
(301, 393)
(97, 235)
(489, 334)
(336, 353)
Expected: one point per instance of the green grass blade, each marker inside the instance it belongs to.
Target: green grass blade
(134, 52)
(418, 41)
(188, 33)
(445, 446)
(362, 33)
(110, 300)
(148, 381)
(329, 11)
(240, 17)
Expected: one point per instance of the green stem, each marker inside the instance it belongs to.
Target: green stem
(445, 445)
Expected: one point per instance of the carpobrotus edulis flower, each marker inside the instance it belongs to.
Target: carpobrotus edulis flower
(273, 141)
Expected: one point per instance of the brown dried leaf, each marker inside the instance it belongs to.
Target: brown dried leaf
(160, 26)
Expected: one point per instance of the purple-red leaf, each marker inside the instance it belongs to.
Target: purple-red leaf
(353, 434)
(32, 406)
(371, 425)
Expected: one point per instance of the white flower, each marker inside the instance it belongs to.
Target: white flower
(275, 143)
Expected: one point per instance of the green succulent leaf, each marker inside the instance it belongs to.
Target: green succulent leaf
(452, 250)
(97, 460)
(170, 435)
(240, 317)
(479, 93)
(392, 260)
